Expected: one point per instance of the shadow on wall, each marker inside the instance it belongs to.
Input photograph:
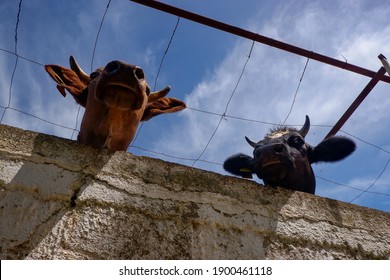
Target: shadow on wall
(41, 178)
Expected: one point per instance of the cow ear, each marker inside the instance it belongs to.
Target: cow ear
(331, 149)
(162, 106)
(69, 80)
(240, 165)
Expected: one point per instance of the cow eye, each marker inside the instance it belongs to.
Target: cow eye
(94, 75)
(295, 141)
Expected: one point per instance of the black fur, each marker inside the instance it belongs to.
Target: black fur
(332, 149)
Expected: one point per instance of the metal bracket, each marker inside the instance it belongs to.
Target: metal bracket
(385, 63)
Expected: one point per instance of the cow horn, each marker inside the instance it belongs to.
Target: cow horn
(153, 96)
(305, 128)
(84, 77)
(250, 142)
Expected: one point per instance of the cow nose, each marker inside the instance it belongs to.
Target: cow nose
(278, 148)
(112, 67)
(270, 149)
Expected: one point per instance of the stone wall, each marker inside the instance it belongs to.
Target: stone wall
(63, 200)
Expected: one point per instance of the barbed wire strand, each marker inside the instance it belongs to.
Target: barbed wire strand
(365, 142)
(98, 34)
(74, 129)
(39, 118)
(376, 180)
(296, 91)
(22, 57)
(165, 53)
(158, 73)
(16, 62)
(174, 157)
(351, 187)
(227, 106)
(92, 60)
(248, 119)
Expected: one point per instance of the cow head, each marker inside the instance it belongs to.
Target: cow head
(284, 159)
(115, 97)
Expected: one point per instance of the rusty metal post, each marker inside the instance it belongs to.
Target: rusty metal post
(381, 72)
(258, 38)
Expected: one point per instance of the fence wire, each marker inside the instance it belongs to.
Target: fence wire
(226, 107)
(16, 61)
(158, 74)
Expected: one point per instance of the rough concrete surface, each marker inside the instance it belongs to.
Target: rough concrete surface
(63, 200)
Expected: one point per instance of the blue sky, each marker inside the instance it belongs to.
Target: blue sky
(203, 66)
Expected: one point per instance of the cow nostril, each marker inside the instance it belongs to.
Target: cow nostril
(278, 148)
(112, 67)
(139, 73)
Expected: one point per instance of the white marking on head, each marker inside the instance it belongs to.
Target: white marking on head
(277, 134)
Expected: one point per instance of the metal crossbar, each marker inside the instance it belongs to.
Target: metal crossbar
(258, 38)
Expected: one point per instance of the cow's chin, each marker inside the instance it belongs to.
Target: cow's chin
(122, 98)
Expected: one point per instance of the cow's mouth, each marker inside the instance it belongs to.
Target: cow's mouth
(274, 170)
(270, 163)
(122, 96)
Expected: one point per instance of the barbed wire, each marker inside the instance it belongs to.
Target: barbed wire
(221, 115)
(227, 106)
(16, 61)
(296, 91)
(9, 107)
(98, 34)
(165, 53)
(21, 57)
(158, 74)
(351, 187)
(38, 118)
(175, 157)
(365, 142)
(376, 180)
(92, 60)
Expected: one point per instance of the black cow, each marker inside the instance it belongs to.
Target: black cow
(284, 159)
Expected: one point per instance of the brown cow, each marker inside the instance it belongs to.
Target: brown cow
(284, 159)
(116, 98)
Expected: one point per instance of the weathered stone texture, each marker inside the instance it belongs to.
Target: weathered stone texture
(62, 200)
